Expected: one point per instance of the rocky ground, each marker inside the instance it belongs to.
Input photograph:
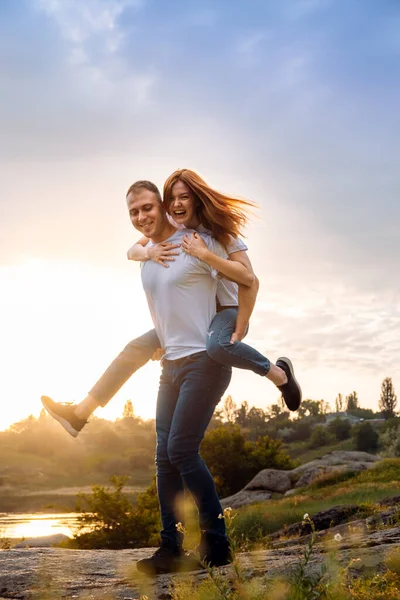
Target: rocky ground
(53, 573)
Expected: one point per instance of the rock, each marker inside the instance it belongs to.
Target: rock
(325, 519)
(100, 574)
(43, 542)
(338, 461)
(271, 480)
(245, 497)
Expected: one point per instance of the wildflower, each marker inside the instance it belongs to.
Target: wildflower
(306, 517)
(221, 516)
(180, 527)
(337, 537)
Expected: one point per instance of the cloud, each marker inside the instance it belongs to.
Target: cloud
(79, 22)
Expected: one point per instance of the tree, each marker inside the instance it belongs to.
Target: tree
(320, 437)
(241, 414)
(365, 437)
(128, 413)
(351, 402)
(339, 403)
(233, 460)
(388, 399)
(310, 408)
(340, 428)
(229, 410)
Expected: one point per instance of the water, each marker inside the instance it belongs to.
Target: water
(37, 524)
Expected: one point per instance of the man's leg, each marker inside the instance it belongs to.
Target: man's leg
(135, 354)
(202, 384)
(170, 556)
(241, 355)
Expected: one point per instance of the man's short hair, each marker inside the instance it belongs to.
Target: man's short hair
(144, 185)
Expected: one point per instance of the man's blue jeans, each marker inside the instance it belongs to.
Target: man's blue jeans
(140, 350)
(190, 389)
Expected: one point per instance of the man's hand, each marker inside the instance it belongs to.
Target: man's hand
(158, 354)
(194, 245)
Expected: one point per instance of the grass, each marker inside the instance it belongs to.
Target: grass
(259, 520)
(300, 450)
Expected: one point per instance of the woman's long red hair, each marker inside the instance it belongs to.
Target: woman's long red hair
(223, 215)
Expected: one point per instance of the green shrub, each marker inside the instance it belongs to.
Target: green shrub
(340, 428)
(233, 461)
(365, 437)
(112, 520)
(320, 437)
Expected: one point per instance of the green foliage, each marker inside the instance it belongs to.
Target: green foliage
(351, 402)
(365, 437)
(109, 520)
(233, 461)
(340, 428)
(388, 399)
(320, 437)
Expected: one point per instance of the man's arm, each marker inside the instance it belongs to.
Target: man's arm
(235, 270)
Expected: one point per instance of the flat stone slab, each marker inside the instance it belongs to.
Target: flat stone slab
(56, 573)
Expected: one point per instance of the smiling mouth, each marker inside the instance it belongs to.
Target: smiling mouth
(179, 213)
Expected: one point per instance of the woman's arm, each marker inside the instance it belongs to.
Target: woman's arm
(158, 253)
(236, 270)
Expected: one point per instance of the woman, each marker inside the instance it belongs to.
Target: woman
(193, 204)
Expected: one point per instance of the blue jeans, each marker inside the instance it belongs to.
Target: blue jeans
(238, 354)
(190, 389)
(140, 350)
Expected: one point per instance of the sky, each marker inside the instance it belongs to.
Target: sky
(291, 103)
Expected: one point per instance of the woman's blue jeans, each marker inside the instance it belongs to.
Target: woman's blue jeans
(140, 350)
(190, 389)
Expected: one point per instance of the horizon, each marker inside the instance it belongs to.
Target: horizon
(293, 105)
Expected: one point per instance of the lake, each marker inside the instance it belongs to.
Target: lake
(37, 524)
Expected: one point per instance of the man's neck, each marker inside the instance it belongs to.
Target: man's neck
(165, 233)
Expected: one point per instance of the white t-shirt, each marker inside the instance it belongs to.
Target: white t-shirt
(182, 298)
(227, 291)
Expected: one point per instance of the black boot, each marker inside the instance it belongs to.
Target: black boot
(214, 550)
(169, 558)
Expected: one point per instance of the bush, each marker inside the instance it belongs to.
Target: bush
(233, 461)
(113, 521)
(340, 428)
(320, 437)
(365, 437)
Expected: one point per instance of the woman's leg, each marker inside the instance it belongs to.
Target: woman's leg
(135, 354)
(243, 356)
(236, 354)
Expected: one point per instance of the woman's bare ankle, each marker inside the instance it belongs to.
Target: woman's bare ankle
(84, 409)
(277, 375)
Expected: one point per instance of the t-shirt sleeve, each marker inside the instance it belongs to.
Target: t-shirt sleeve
(217, 249)
(236, 245)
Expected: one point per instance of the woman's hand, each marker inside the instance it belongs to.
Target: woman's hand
(194, 245)
(162, 253)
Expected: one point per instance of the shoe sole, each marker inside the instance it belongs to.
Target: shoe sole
(66, 424)
(289, 364)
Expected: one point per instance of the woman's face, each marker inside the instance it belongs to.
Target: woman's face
(182, 206)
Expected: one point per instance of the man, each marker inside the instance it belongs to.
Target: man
(182, 304)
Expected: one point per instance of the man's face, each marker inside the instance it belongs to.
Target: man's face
(182, 207)
(146, 212)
